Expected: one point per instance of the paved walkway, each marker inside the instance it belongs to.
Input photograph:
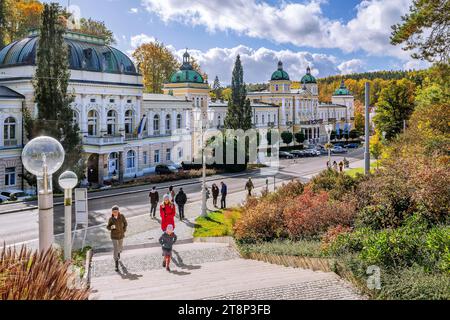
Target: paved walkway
(210, 271)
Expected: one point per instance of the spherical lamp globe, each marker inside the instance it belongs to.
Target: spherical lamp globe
(68, 180)
(43, 151)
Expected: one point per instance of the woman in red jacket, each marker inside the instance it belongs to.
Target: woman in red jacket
(167, 212)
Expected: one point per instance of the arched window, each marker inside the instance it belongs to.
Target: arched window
(92, 123)
(111, 120)
(219, 119)
(113, 163)
(168, 124)
(268, 117)
(131, 159)
(156, 124)
(129, 122)
(9, 132)
(178, 121)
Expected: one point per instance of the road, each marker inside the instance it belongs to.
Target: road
(23, 226)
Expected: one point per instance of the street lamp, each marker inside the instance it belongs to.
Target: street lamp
(329, 129)
(67, 181)
(200, 117)
(42, 157)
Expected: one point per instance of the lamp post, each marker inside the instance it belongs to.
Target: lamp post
(329, 129)
(42, 157)
(67, 181)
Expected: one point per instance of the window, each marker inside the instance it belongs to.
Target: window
(156, 124)
(10, 176)
(168, 154)
(263, 120)
(168, 123)
(111, 100)
(276, 87)
(144, 154)
(92, 123)
(129, 101)
(219, 120)
(129, 121)
(131, 159)
(93, 100)
(178, 121)
(9, 132)
(156, 156)
(74, 117)
(268, 117)
(111, 122)
(256, 119)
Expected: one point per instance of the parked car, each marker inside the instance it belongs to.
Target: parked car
(298, 153)
(339, 144)
(352, 146)
(286, 155)
(14, 195)
(165, 169)
(312, 152)
(3, 199)
(338, 149)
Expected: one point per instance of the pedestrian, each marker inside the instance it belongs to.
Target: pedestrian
(335, 166)
(154, 199)
(328, 164)
(117, 224)
(341, 166)
(346, 163)
(215, 194)
(171, 193)
(223, 192)
(180, 200)
(167, 239)
(249, 186)
(167, 212)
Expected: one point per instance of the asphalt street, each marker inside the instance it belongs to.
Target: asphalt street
(23, 226)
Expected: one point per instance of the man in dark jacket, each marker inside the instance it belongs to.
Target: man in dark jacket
(223, 192)
(180, 200)
(117, 224)
(154, 199)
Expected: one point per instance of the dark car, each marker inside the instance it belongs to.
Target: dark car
(339, 144)
(286, 155)
(298, 153)
(312, 152)
(352, 145)
(164, 169)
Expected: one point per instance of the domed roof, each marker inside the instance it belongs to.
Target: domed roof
(280, 74)
(342, 90)
(186, 72)
(85, 53)
(308, 77)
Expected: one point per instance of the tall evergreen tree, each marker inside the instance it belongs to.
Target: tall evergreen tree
(54, 116)
(239, 113)
(217, 89)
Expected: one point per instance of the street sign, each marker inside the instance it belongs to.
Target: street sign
(81, 206)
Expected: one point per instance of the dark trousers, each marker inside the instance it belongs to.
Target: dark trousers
(181, 211)
(153, 208)
(222, 202)
(214, 201)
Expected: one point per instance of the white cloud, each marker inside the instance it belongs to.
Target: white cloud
(302, 24)
(351, 66)
(140, 39)
(414, 64)
(133, 10)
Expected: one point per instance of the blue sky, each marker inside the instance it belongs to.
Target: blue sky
(330, 36)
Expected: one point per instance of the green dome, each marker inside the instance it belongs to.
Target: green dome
(308, 77)
(280, 74)
(186, 72)
(342, 90)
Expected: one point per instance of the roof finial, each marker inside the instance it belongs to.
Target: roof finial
(280, 65)
(308, 70)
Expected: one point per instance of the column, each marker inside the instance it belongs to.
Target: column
(102, 115)
(83, 115)
(121, 166)
(174, 120)
(150, 128)
(297, 109)
(100, 169)
(283, 112)
(187, 120)
(162, 122)
(138, 113)
(121, 116)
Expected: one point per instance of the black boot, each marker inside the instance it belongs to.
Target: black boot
(117, 265)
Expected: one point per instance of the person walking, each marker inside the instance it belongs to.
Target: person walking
(215, 193)
(171, 193)
(249, 186)
(223, 193)
(154, 199)
(167, 213)
(180, 200)
(117, 224)
(167, 239)
(335, 166)
(341, 166)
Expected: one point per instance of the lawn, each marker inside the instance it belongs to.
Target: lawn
(354, 171)
(216, 224)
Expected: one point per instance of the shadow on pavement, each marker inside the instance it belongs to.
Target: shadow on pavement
(126, 275)
(179, 273)
(179, 262)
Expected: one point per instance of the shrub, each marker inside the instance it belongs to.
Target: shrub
(311, 214)
(331, 235)
(304, 248)
(36, 276)
(336, 184)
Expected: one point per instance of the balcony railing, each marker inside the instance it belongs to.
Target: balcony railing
(105, 140)
(168, 132)
(10, 143)
(131, 136)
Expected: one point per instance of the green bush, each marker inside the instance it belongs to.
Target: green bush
(336, 184)
(304, 248)
(414, 283)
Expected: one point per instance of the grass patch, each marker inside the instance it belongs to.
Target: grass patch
(354, 171)
(305, 248)
(216, 224)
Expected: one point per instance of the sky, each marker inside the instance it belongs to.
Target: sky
(333, 37)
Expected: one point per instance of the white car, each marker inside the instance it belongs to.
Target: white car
(14, 195)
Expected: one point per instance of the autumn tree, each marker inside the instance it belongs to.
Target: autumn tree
(156, 63)
(395, 105)
(97, 28)
(426, 29)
